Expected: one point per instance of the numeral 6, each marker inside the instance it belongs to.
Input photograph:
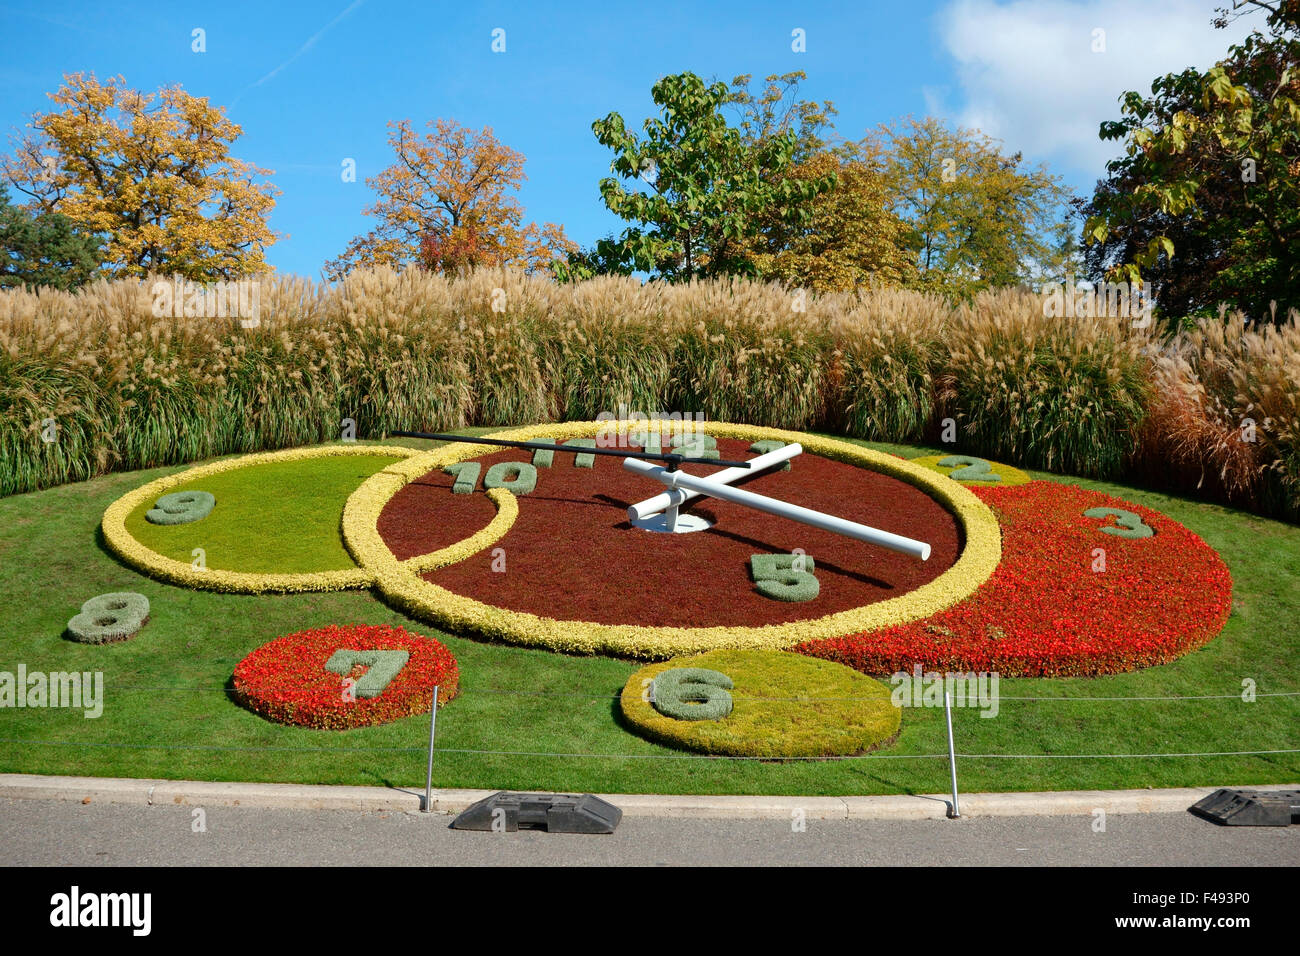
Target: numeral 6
(692, 693)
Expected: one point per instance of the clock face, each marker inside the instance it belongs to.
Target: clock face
(539, 549)
(572, 554)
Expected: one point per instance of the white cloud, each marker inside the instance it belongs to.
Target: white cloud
(1028, 74)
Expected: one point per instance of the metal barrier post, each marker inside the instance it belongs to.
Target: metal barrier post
(428, 776)
(952, 754)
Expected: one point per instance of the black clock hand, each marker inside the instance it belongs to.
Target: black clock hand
(673, 459)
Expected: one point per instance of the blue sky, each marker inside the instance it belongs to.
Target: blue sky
(315, 83)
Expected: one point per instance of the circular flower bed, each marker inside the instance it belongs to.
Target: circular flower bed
(1075, 595)
(782, 705)
(571, 545)
(287, 680)
(276, 530)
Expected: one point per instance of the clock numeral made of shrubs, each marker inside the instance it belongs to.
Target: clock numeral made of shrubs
(692, 693)
(1127, 524)
(969, 469)
(785, 577)
(382, 667)
(516, 477)
(181, 507)
(109, 617)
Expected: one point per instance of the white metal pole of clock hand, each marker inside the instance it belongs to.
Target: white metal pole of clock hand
(646, 514)
(773, 506)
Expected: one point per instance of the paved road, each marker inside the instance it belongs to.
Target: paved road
(47, 832)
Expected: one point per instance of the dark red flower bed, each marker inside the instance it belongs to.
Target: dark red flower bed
(572, 554)
(1046, 612)
(285, 680)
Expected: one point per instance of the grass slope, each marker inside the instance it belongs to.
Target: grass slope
(167, 712)
(277, 516)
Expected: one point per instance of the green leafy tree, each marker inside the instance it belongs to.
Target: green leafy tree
(976, 218)
(44, 249)
(1205, 203)
(708, 190)
(601, 259)
(777, 110)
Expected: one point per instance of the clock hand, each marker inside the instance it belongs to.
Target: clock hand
(672, 459)
(644, 510)
(783, 509)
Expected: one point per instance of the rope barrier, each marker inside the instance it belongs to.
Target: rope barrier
(530, 753)
(617, 695)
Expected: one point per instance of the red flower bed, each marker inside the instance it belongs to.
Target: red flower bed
(1046, 612)
(285, 680)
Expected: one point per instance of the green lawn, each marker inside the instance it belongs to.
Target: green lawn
(276, 516)
(167, 713)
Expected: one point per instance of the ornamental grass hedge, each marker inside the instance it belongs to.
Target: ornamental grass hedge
(1093, 397)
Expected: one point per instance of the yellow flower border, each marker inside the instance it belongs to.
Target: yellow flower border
(125, 546)
(1010, 474)
(401, 586)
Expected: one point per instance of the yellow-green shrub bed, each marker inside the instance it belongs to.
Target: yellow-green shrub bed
(999, 475)
(784, 705)
(274, 528)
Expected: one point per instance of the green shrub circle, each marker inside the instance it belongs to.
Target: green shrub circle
(181, 507)
(109, 617)
(784, 705)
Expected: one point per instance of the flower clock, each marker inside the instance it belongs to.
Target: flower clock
(649, 541)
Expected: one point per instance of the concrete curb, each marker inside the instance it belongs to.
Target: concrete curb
(290, 796)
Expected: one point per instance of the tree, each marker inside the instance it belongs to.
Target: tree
(445, 204)
(851, 238)
(600, 259)
(454, 250)
(1205, 203)
(777, 110)
(976, 218)
(152, 172)
(43, 249)
(709, 188)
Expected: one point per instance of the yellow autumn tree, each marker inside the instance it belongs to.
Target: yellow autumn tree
(445, 204)
(151, 171)
(851, 238)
